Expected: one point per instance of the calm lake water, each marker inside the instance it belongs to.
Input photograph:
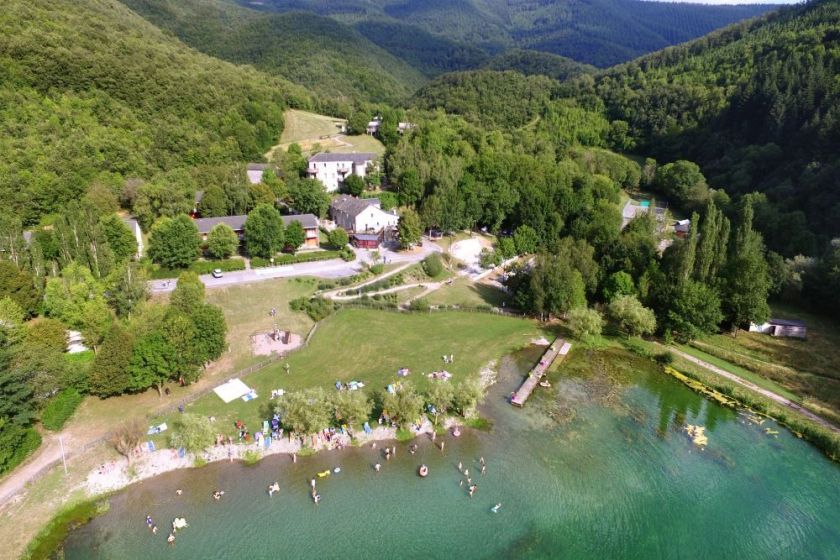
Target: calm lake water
(598, 468)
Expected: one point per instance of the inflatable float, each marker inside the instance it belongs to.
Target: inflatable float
(495, 509)
(423, 471)
(322, 474)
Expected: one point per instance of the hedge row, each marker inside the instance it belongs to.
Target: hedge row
(283, 260)
(199, 267)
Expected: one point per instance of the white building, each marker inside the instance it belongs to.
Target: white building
(332, 169)
(361, 215)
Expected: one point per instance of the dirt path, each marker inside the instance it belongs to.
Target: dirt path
(334, 294)
(48, 453)
(765, 392)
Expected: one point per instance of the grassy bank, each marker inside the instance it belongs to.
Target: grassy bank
(50, 538)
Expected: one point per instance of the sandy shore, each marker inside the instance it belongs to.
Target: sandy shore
(118, 474)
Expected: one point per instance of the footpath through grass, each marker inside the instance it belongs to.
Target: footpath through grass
(370, 346)
(741, 372)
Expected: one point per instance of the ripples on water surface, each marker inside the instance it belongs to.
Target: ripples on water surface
(598, 469)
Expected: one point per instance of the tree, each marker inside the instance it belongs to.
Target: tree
(526, 240)
(404, 406)
(79, 301)
(222, 241)
(618, 284)
(214, 202)
(127, 288)
(338, 238)
(467, 396)
(747, 281)
(264, 233)
(353, 185)
(16, 442)
(193, 432)
(351, 408)
(295, 236)
(309, 196)
(119, 237)
(409, 229)
(152, 361)
(585, 323)
(260, 194)
(410, 187)
(506, 247)
(127, 437)
(174, 242)
(19, 286)
(432, 265)
(188, 293)
(210, 332)
(109, 374)
(553, 288)
(305, 412)
(694, 310)
(631, 316)
(441, 396)
(683, 182)
(358, 122)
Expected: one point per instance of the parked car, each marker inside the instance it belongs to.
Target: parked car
(217, 273)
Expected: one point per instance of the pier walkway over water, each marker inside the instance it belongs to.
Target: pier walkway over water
(557, 348)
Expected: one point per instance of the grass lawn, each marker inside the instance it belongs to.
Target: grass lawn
(471, 294)
(370, 345)
(308, 129)
(246, 308)
(808, 368)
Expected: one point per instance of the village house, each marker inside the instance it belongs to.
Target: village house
(791, 328)
(309, 222)
(255, 172)
(331, 169)
(361, 215)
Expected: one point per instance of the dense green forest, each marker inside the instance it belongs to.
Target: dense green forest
(331, 59)
(91, 91)
(757, 105)
(598, 32)
(534, 63)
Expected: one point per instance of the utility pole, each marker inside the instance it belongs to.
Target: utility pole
(63, 458)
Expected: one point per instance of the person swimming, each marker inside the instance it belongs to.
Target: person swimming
(154, 529)
(170, 539)
(377, 467)
(178, 492)
(217, 495)
(495, 509)
(149, 521)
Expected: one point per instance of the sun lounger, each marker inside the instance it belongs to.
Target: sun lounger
(157, 429)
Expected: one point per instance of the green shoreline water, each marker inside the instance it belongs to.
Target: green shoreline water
(599, 468)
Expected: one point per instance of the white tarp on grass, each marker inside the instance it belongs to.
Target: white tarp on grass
(232, 390)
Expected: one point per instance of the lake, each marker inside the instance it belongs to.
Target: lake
(597, 467)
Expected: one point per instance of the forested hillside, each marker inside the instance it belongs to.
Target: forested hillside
(757, 105)
(598, 32)
(533, 63)
(331, 59)
(89, 90)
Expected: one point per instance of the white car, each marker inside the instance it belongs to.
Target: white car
(217, 273)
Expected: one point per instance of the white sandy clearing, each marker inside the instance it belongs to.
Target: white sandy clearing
(263, 344)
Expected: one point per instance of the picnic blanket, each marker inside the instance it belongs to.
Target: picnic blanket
(250, 396)
(232, 390)
(150, 445)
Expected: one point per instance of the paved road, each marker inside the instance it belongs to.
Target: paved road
(767, 393)
(336, 268)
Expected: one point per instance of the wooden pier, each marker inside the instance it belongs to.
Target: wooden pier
(557, 348)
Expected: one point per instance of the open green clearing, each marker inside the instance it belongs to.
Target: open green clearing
(370, 346)
(807, 368)
(468, 294)
(308, 129)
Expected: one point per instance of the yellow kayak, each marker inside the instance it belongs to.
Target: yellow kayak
(323, 474)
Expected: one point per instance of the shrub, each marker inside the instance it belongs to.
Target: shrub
(338, 238)
(316, 308)
(665, 358)
(16, 444)
(60, 408)
(377, 268)
(282, 260)
(432, 265)
(420, 304)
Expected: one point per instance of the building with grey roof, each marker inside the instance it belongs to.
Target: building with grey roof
(331, 169)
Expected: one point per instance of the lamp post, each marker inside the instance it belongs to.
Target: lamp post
(63, 458)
